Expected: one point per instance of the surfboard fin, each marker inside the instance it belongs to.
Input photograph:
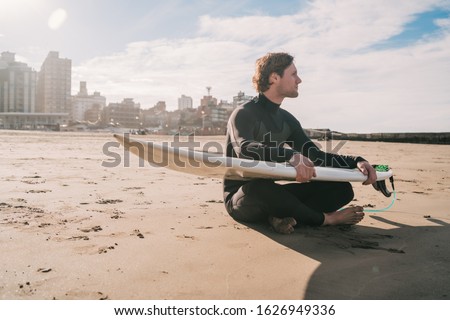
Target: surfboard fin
(381, 185)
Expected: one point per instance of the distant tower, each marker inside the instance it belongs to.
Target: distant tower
(85, 106)
(83, 89)
(208, 101)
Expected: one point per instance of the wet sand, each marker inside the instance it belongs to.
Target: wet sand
(71, 228)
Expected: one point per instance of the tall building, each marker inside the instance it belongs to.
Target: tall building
(54, 85)
(87, 107)
(17, 85)
(184, 102)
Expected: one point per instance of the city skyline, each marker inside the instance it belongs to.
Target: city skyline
(75, 90)
(43, 100)
(366, 67)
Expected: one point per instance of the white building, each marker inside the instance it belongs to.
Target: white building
(85, 107)
(17, 85)
(240, 99)
(184, 102)
(54, 85)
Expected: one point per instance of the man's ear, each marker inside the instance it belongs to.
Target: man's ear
(274, 77)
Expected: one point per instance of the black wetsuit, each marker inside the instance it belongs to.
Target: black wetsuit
(260, 130)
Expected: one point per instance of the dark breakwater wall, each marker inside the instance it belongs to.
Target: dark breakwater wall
(408, 137)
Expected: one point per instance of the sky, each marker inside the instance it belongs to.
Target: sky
(366, 66)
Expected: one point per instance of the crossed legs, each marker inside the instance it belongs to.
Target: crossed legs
(286, 205)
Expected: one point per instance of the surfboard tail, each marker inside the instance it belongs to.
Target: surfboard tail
(381, 184)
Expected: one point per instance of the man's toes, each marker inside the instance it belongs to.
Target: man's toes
(358, 218)
(289, 230)
(286, 228)
(290, 221)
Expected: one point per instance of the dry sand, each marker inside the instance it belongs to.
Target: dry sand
(73, 229)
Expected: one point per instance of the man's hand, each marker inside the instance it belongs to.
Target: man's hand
(303, 166)
(368, 171)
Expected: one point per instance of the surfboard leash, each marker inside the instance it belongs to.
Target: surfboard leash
(384, 209)
(381, 186)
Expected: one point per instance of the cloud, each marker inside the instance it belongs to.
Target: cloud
(443, 23)
(348, 85)
(330, 26)
(383, 90)
(165, 69)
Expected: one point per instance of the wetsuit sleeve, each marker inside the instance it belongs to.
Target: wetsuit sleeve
(241, 128)
(300, 142)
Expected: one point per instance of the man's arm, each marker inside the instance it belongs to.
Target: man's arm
(241, 128)
(302, 143)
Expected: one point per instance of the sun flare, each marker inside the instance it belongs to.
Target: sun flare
(57, 19)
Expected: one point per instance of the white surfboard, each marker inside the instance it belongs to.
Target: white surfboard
(219, 166)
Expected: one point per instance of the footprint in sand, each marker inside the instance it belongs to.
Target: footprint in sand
(26, 289)
(132, 188)
(214, 201)
(109, 201)
(92, 229)
(43, 225)
(5, 205)
(138, 234)
(345, 237)
(186, 237)
(80, 294)
(79, 238)
(38, 191)
(116, 214)
(106, 249)
(33, 180)
(420, 192)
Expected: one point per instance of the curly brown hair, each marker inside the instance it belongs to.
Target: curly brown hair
(268, 64)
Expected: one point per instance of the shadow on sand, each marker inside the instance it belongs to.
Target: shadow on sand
(360, 262)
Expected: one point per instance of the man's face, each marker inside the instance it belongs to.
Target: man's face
(288, 84)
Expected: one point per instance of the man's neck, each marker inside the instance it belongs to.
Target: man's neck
(272, 96)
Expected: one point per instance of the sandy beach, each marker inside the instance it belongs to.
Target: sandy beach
(71, 228)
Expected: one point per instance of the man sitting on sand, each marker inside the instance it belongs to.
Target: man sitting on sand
(260, 130)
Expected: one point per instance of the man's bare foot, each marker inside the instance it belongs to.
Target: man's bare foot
(350, 215)
(283, 225)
